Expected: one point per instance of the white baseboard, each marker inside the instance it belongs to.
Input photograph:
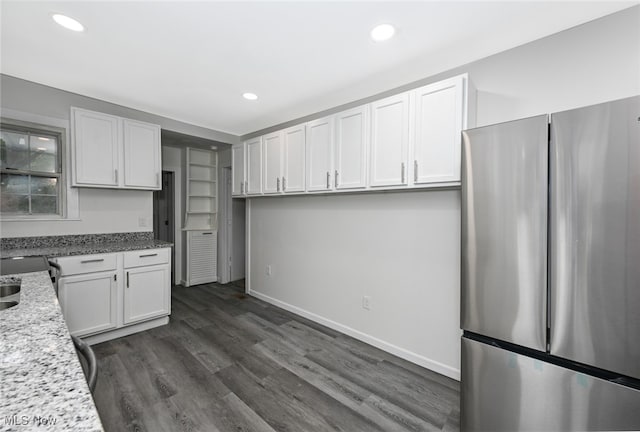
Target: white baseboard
(126, 331)
(364, 337)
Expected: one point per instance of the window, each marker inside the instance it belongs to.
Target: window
(31, 170)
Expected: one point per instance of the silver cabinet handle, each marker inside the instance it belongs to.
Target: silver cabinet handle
(402, 181)
(207, 233)
(242, 188)
(127, 279)
(246, 187)
(148, 255)
(415, 171)
(116, 173)
(336, 179)
(92, 261)
(115, 278)
(278, 182)
(328, 180)
(284, 184)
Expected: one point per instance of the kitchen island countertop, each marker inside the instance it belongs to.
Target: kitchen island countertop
(42, 385)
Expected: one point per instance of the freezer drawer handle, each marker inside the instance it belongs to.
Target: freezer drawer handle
(148, 255)
(92, 261)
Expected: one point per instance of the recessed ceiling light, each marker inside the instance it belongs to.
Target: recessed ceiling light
(382, 32)
(250, 96)
(68, 23)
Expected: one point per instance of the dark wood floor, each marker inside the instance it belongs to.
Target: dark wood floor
(229, 362)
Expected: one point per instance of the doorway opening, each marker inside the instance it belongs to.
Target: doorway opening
(225, 226)
(163, 215)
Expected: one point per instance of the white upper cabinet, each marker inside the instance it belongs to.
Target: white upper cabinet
(408, 140)
(320, 137)
(352, 142)
(253, 153)
(294, 159)
(113, 152)
(439, 120)
(96, 148)
(390, 141)
(141, 155)
(272, 167)
(238, 170)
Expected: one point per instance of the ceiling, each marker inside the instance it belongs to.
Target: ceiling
(191, 61)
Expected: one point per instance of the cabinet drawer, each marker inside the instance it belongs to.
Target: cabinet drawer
(146, 257)
(87, 264)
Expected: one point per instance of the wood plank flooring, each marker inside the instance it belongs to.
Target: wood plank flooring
(230, 362)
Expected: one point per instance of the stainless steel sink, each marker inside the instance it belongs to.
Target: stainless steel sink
(9, 294)
(8, 289)
(7, 304)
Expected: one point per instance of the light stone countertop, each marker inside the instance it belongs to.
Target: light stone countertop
(84, 249)
(42, 386)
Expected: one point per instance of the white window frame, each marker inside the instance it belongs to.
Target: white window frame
(68, 196)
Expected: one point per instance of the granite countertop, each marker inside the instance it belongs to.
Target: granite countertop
(42, 385)
(84, 249)
(79, 244)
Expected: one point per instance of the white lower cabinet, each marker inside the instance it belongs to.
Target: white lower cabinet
(146, 293)
(202, 257)
(89, 302)
(104, 296)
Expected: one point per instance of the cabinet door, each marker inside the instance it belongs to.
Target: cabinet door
(352, 141)
(254, 166)
(389, 140)
(142, 155)
(237, 170)
(439, 116)
(319, 154)
(88, 302)
(96, 143)
(293, 170)
(202, 257)
(147, 293)
(272, 156)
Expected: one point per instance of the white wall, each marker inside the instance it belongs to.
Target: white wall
(101, 211)
(403, 248)
(172, 161)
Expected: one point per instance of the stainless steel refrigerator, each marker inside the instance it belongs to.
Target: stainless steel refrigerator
(550, 300)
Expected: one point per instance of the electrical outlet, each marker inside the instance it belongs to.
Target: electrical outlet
(268, 270)
(366, 302)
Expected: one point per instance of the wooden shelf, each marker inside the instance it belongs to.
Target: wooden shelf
(201, 198)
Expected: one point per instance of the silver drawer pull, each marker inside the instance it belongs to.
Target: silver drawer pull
(209, 233)
(91, 261)
(148, 255)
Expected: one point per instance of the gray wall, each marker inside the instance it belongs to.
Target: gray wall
(567, 70)
(100, 210)
(27, 96)
(402, 249)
